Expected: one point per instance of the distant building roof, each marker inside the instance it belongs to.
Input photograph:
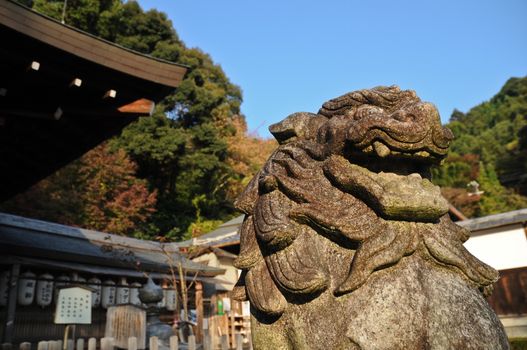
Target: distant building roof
(227, 234)
(497, 220)
(44, 243)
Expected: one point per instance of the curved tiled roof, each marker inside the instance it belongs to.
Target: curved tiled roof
(38, 239)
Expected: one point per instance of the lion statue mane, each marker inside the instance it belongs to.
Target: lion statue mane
(346, 244)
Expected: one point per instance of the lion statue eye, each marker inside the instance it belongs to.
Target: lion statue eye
(403, 116)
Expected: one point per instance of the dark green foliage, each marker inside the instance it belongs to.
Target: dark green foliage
(457, 171)
(497, 198)
(518, 343)
(491, 129)
(490, 147)
(28, 3)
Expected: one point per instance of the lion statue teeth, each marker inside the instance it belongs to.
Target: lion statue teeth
(346, 244)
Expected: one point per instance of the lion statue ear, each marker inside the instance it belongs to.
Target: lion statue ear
(297, 126)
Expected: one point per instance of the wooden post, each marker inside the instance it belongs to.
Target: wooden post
(11, 304)
(207, 344)
(125, 321)
(80, 344)
(92, 344)
(174, 342)
(191, 342)
(43, 345)
(212, 331)
(52, 345)
(153, 343)
(132, 343)
(67, 330)
(199, 310)
(224, 342)
(25, 346)
(233, 328)
(106, 343)
(239, 342)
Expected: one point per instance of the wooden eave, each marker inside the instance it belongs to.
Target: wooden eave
(59, 244)
(63, 91)
(89, 47)
(495, 220)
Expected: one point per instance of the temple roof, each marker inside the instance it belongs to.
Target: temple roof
(496, 220)
(64, 91)
(41, 243)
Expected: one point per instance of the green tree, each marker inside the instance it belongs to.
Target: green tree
(496, 197)
(492, 134)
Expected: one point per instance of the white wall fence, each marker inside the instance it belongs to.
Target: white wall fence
(108, 344)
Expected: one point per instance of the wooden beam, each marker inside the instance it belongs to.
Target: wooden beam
(75, 114)
(56, 114)
(141, 106)
(199, 310)
(454, 211)
(89, 47)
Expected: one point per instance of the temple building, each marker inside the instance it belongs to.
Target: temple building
(63, 92)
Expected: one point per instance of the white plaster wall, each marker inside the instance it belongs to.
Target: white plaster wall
(502, 248)
(230, 275)
(210, 259)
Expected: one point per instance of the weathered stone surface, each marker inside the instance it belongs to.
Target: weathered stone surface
(347, 244)
(399, 197)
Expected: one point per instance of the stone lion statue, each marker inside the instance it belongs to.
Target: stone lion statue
(346, 244)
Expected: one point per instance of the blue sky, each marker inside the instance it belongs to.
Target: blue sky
(293, 55)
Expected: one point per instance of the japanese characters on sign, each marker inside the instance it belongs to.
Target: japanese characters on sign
(73, 306)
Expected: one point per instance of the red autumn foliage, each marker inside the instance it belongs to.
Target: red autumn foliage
(99, 191)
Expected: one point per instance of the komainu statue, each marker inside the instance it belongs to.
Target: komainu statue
(346, 243)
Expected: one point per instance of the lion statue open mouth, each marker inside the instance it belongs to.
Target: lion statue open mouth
(340, 212)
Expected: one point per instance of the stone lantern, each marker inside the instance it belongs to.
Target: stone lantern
(150, 295)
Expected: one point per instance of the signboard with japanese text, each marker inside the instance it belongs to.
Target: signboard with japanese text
(73, 306)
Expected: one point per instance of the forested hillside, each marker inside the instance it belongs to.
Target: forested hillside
(171, 175)
(490, 148)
